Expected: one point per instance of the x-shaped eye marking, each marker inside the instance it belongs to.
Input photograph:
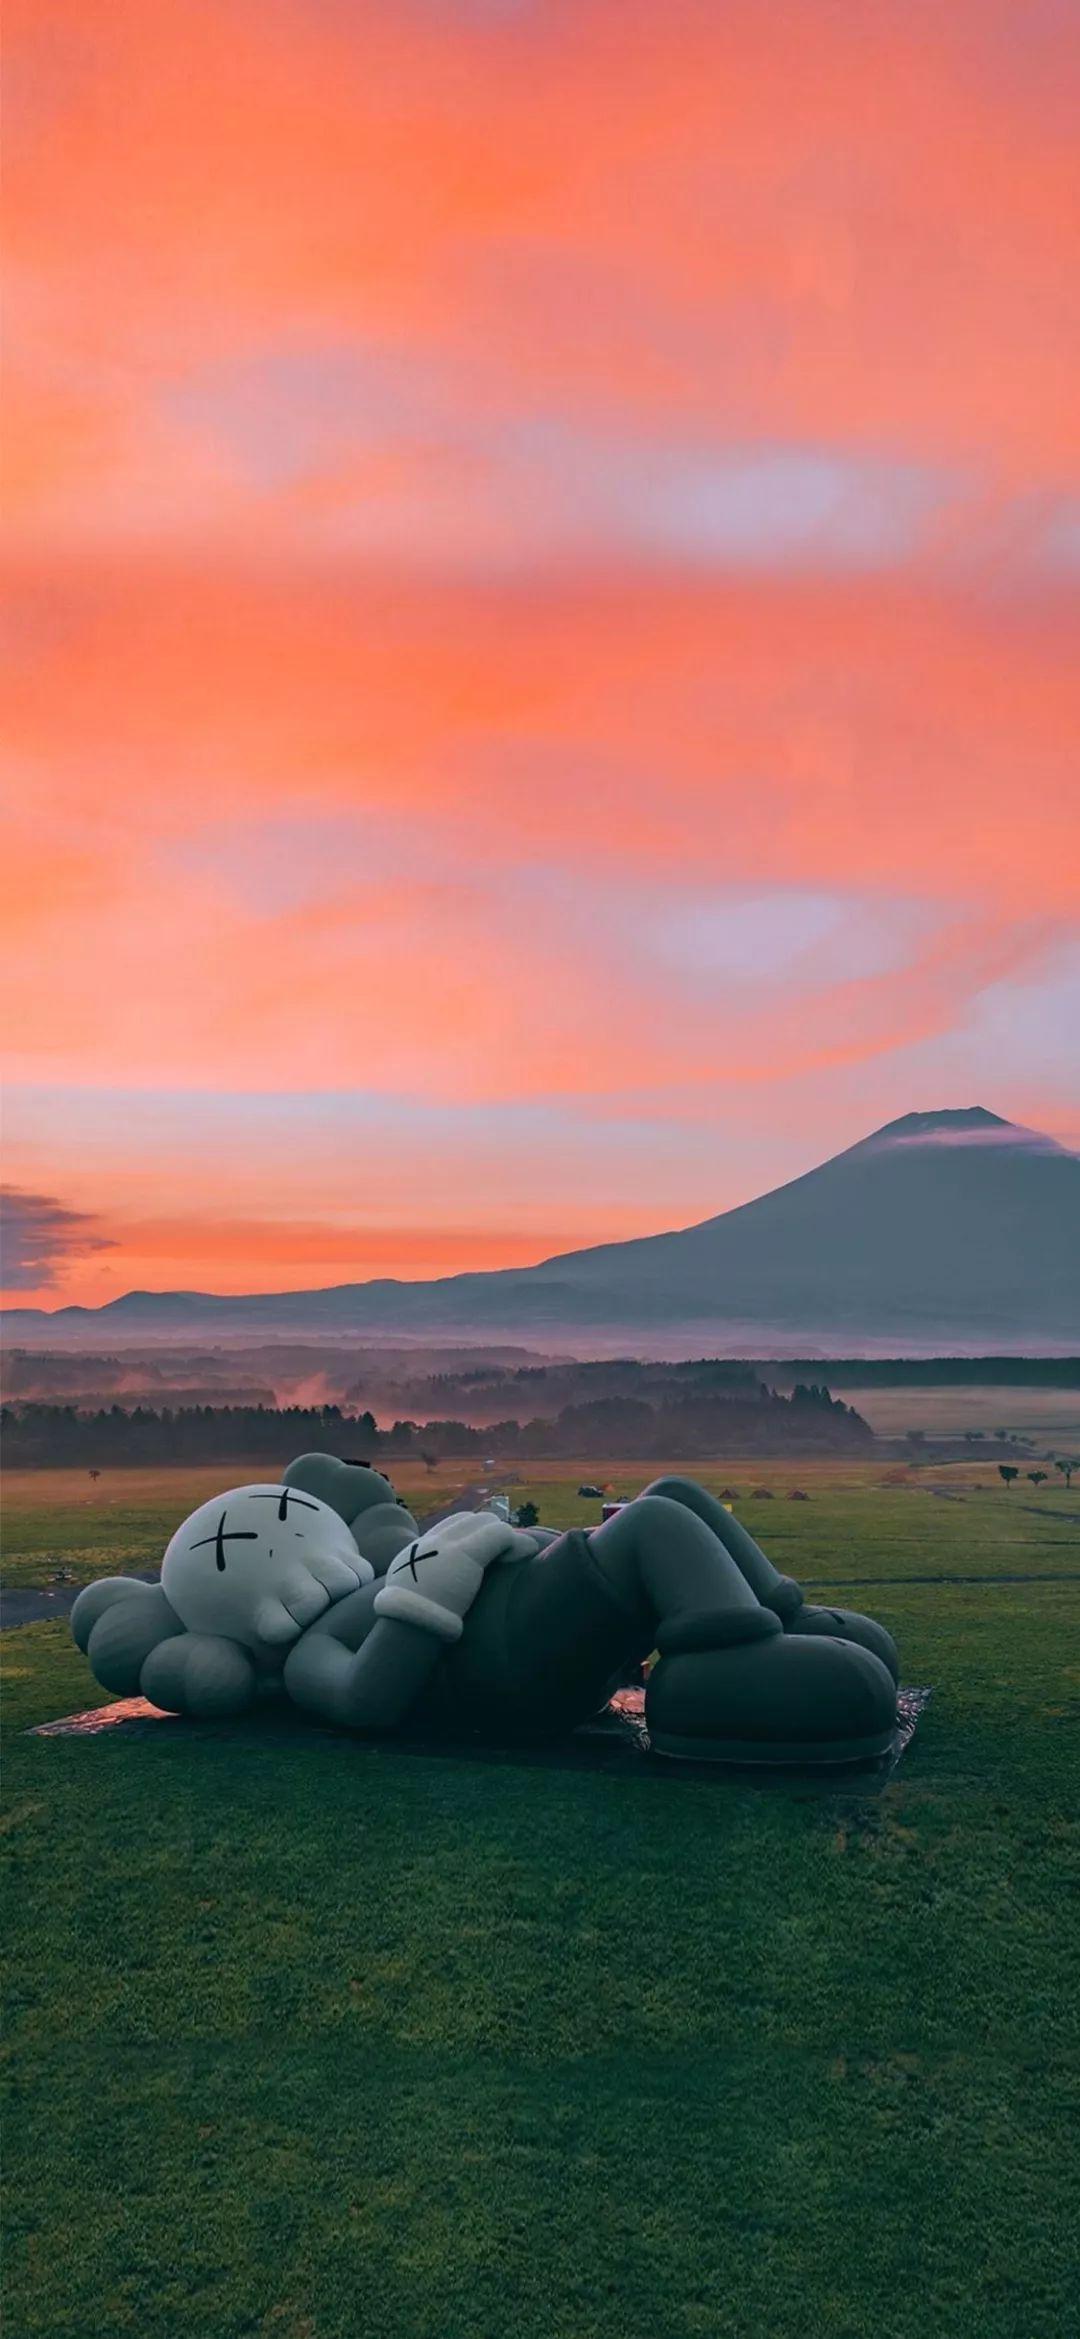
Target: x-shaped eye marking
(287, 1496)
(238, 1535)
(416, 1554)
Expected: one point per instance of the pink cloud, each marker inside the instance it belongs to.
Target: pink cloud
(477, 494)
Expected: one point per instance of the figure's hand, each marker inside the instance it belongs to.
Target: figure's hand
(434, 1582)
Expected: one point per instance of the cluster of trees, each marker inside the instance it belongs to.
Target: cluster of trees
(938, 1372)
(1066, 1463)
(94, 1382)
(684, 1426)
(489, 1391)
(693, 1425)
(59, 1435)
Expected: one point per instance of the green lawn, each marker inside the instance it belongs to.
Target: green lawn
(55, 1519)
(862, 1517)
(324, 2041)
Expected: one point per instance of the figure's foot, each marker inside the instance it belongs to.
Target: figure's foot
(779, 1700)
(845, 1624)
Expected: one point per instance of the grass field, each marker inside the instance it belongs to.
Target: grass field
(1050, 1417)
(324, 2041)
(61, 1519)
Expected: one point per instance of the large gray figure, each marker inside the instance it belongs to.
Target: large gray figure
(474, 1628)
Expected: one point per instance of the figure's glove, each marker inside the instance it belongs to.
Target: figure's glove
(435, 1581)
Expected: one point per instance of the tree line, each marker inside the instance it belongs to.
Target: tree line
(57, 1436)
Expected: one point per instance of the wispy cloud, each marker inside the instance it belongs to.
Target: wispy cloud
(40, 1239)
(982, 1135)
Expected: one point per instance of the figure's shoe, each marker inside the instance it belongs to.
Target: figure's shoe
(845, 1624)
(781, 1699)
(784, 1598)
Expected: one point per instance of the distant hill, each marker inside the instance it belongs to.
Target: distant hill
(942, 1231)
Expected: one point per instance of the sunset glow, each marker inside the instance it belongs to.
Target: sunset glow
(542, 686)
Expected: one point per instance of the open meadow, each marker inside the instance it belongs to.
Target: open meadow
(1047, 1416)
(320, 2040)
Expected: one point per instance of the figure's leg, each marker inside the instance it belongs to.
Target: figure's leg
(548, 1636)
(665, 1560)
(730, 1685)
(780, 1593)
(547, 1641)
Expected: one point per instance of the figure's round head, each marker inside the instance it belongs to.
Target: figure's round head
(259, 1564)
(348, 1486)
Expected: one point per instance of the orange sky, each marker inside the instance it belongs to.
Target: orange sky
(542, 680)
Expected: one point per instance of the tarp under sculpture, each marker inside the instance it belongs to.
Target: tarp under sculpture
(323, 1589)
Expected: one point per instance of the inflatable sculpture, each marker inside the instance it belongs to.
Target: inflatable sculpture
(323, 1589)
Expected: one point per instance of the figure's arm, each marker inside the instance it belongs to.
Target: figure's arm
(435, 1581)
(371, 1687)
(365, 1663)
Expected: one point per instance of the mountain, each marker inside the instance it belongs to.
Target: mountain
(942, 1231)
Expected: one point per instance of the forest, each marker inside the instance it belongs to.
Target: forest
(681, 1424)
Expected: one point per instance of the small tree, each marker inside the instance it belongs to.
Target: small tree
(1067, 1463)
(1036, 1477)
(526, 1515)
(1008, 1471)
